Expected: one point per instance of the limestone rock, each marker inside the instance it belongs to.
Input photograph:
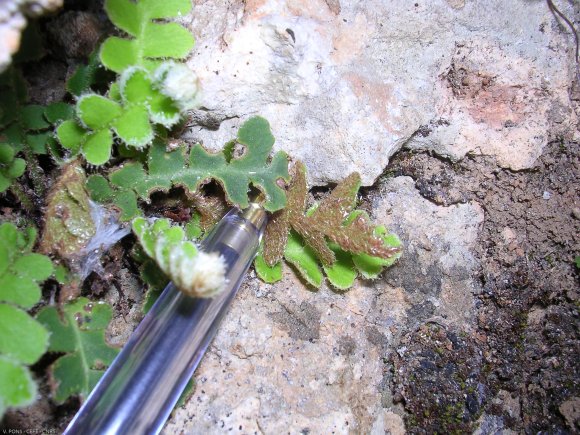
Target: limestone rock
(345, 85)
(438, 264)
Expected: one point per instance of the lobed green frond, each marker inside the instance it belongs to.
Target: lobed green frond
(149, 41)
(78, 332)
(167, 169)
(21, 272)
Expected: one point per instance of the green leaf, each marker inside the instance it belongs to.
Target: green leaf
(97, 147)
(133, 126)
(370, 267)
(33, 117)
(4, 183)
(37, 142)
(99, 188)
(5, 257)
(10, 237)
(125, 15)
(71, 135)
(10, 168)
(155, 41)
(21, 337)
(118, 54)
(125, 200)
(19, 290)
(168, 169)
(20, 269)
(97, 112)
(167, 9)
(58, 112)
(269, 274)
(6, 153)
(80, 334)
(62, 274)
(193, 228)
(35, 266)
(342, 273)
(18, 388)
(87, 76)
(16, 169)
(303, 259)
(136, 87)
(152, 40)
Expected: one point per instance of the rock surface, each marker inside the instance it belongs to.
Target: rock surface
(345, 85)
(289, 359)
(13, 15)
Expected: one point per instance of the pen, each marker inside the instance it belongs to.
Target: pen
(140, 388)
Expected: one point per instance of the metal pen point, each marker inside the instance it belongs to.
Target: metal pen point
(139, 390)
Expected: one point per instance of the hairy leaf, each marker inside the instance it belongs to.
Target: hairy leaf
(304, 260)
(165, 170)
(80, 334)
(130, 117)
(195, 273)
(343, 240)
(269, 274)
(150, 41)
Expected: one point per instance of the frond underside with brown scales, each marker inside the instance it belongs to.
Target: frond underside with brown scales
(326, 223)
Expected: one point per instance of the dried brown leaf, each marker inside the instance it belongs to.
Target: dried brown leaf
(211, 209)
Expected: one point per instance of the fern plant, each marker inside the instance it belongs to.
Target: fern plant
(151, 89)
(149, 41)
(26, 129)
(79, 333)
(21, 271)
(130, 121)
(330, 234)
(165, 170)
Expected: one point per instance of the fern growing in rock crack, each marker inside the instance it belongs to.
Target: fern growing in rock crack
(330, 233)
(130, 119)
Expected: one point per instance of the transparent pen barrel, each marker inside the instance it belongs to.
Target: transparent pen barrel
(140, 389)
